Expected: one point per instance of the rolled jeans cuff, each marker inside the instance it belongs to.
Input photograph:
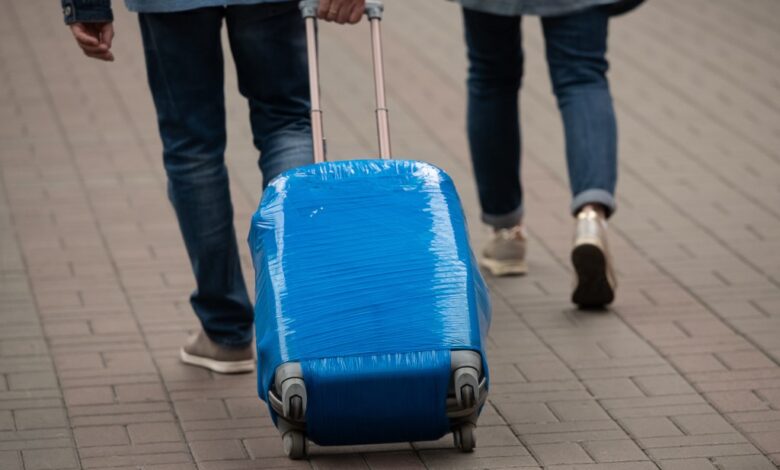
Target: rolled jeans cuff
(508, 220)
(594, 196)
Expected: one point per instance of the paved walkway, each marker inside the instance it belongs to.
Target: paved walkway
(683, 372)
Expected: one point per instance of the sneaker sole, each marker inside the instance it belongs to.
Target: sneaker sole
(222, 367)
(593, 289)
(504, 268)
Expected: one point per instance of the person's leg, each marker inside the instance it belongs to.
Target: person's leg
(494, 76)
(185, 72)
(268, 42)
(495, 72)
(576, 47)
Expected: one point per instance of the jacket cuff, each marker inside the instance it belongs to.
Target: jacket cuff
(87, 11)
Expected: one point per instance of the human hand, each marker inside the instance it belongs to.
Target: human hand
(94, 39)
(341, 11)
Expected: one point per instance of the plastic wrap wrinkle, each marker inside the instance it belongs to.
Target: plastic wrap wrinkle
(364, 258)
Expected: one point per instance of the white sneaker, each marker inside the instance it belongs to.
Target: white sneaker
(504, 255)
(202, 352)
(595, 281)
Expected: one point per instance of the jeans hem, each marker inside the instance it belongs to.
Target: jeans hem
(508, 220)
(594, 196)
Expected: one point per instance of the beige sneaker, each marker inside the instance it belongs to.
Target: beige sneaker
(595, 282)
(505, 254)
(202, 352)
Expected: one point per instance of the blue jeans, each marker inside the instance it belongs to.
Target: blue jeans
(185, 71)
(576, 46)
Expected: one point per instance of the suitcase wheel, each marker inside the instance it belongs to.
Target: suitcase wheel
(294, 444)
(464, 437)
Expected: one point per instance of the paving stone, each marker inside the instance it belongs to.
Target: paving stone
(769, 442)
(704, 424)
(519, 413)
(10, 460)
(578, 410)
(651, 427)
(614, 451)
(748, 462)
(40, 459)
(41, 418)
(6, 420)
(663, 385)
(92, 436)
(89, 396)
(217, 450)
(613, 388)
(139, 392)
(736, 401)
(201, 409)
(31, 380)
(143, 433)
(560, 453)
(687, 464)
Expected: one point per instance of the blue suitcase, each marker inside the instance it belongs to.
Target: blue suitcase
(371, 314)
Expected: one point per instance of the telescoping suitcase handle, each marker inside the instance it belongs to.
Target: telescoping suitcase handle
(373, 11)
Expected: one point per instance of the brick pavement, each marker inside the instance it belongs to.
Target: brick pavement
(682, 373)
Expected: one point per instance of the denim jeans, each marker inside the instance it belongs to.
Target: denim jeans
(184, 62)
(576, 46)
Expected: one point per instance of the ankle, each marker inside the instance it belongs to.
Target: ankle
(599, 209)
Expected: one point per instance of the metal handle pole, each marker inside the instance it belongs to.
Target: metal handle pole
(318, 139)
(382, 120)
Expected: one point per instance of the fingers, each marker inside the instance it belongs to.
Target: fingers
(107, 34)
(357, 13)
(84, 35)
(322, 12)
(94, 39)
(106, 56)
(341, 11)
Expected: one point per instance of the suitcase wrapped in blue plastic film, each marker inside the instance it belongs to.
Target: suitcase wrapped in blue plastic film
(371, 314)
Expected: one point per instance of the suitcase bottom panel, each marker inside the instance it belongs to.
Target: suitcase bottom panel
(383, 398)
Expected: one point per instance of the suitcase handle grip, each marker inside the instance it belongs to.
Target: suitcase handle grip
(374, 10)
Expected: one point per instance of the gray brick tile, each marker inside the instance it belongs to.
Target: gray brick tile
(7, 421)
(614, 451)
(663, 385)
(135, 461)
(736, 401)
(10, 460)
(748, 462)
(394, 460)
(31, 380)
(144, 433)
(687, 464)
(41, 418)
(217, 450)
(578, 410)
(769, 441)
(519, 413)
(92, 436)
(129, 393)
(200, 409)
(40, 459)
(702, 451)
(89, 396)
(651, 427)
(703, 424)
(560, 453)
(613, 388)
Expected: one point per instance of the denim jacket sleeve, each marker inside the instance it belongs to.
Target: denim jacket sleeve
(87, 11)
